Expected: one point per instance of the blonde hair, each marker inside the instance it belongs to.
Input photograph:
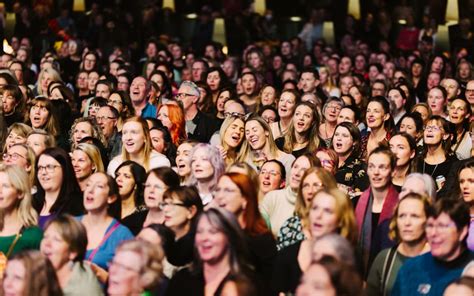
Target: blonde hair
(94, 155)
(347, 226)
(31, 160)
(20, 129)
(245, 150)
(19, 180)
(55, 77)
(231, 153)
(151, 261)
(328, 181)
(96, 131)
(147, 148)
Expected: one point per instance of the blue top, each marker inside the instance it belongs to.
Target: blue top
(106, 251)
(426, 275)
(149, 111)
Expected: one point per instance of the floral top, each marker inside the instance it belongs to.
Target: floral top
(353, 174)
(290, 233)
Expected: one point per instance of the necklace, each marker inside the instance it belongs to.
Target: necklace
(436, 166)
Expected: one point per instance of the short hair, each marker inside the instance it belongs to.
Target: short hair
(342, 247)
(312, 71)
(49, 140)
(393, 234)
(73, 233)
(192, 85)
(151, 261)
(355, 110)
(215, 159)
(94, 154)
(355, 134)
(386, 151)
(416, 117)
(166, 175)
(430, 186)
(280, 165)
(20, 129)
(456, 209)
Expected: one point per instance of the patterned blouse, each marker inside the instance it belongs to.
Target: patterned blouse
(290, 233)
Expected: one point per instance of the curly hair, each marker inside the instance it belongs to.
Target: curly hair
(96, 131)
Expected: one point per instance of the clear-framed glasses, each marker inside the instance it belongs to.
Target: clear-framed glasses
(271, 173)
(12, 156)
(50, 168)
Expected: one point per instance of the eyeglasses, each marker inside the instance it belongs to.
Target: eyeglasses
(49, 168)
(38, 107)
(12, 156)
(443, 227)
(104, 118)
(163, 205)
(271, 173)
(335, 107)
(234, 114)
(470, 90)
(185, 95)
(434, 128)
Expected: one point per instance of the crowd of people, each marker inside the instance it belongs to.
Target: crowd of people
(293, 168)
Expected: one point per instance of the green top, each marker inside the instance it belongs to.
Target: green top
(374, 281)
(30, 240)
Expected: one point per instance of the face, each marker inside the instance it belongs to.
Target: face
(322, 215)
(123, 84)
(157, 140)
(308, 82)
(433, 80)
(413, 185)
(255, 134)
(201, 166)
(38, 116)
(154, 189)
(221, 99)
(316, 282)
(298, 168)
(17, 155)
(458, 112)
(106, 120)
(400, 147)
(379, 171)
(187, 97)
(408, 126)
(378, 89)
(9, 196)
(102, 90)
(50, 173)
(310, 186)
(96, 194)
(342, 141)
(248, 84)
(163, 116)
(346, 83)
(37, 143)
(210, 242)
(375, 115)
(396, 100)
(183, 159)
(411, 219)
(81, 130)
(213, 80)
(14, 278)
(286, 105)
(197, 70)
(133, 137)
(177, 215)
(270, 177)
(82, 164)
(355, 93)
(346, 115)
(125, 181)
(268, 96)
(434, 133)
(116, 102)
(269, 116)
(92, 80)
(55, 247)
(234, 134)
(437, 65)
(444, 238)
(416, 70)
(470, 92)
(228, 196)
(302, 119)
(138, 90)
(436, 101)
(14, 138)
(89, 62)
(9, 103)
(466, 183)
(124, 274)
(423, 112)
(331, 112)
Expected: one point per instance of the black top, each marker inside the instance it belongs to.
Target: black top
(353, 174)
(135, 221)
(187, 282)
(262, 256)
(71, 205)
(205, 127)
(182, 251)
(287, 271)
(280, 142)
(439, 172)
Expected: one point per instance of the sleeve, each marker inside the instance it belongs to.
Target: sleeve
(374, 280)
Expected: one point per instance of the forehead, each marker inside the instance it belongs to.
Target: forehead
(379, 158)
(104, 111)
(83, 124)
(271, 166)
(139, 80)
(18, 149)
(347, 112)
(46, 159)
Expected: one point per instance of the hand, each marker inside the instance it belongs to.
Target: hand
(222, 151)
(101, 274)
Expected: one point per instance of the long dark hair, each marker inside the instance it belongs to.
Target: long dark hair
(69, 199)
(139, 177)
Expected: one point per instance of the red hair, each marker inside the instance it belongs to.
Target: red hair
(254, 223)
(178, 129)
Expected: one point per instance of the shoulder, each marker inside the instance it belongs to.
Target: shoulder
(33, 232)
(113, 165)
(158, 160)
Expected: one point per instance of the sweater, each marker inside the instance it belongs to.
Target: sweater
(277, 206)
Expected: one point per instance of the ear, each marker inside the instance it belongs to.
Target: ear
(192, 212)
(282, 184)
(412, 155)
(111, 199)
(386, 117)
(21, 196)
(28, 168)
(72, 255)
(267, 134)
(446, 136)
(244, 203)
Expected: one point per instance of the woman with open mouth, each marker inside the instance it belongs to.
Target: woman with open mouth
(330, 211)
(286, 105)
(183, 160)
(41, 116)
(259, 145)
(302, 135)
(236, 193)
(130, 178)
(465, 190)
(232, 134)
(86, 160)
(85, 127)
(459, 114)
(331, 110)
(351, 171)
(101, 221)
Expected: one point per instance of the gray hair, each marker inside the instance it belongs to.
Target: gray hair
(194, 88)
(341, 247)
(430, 186)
